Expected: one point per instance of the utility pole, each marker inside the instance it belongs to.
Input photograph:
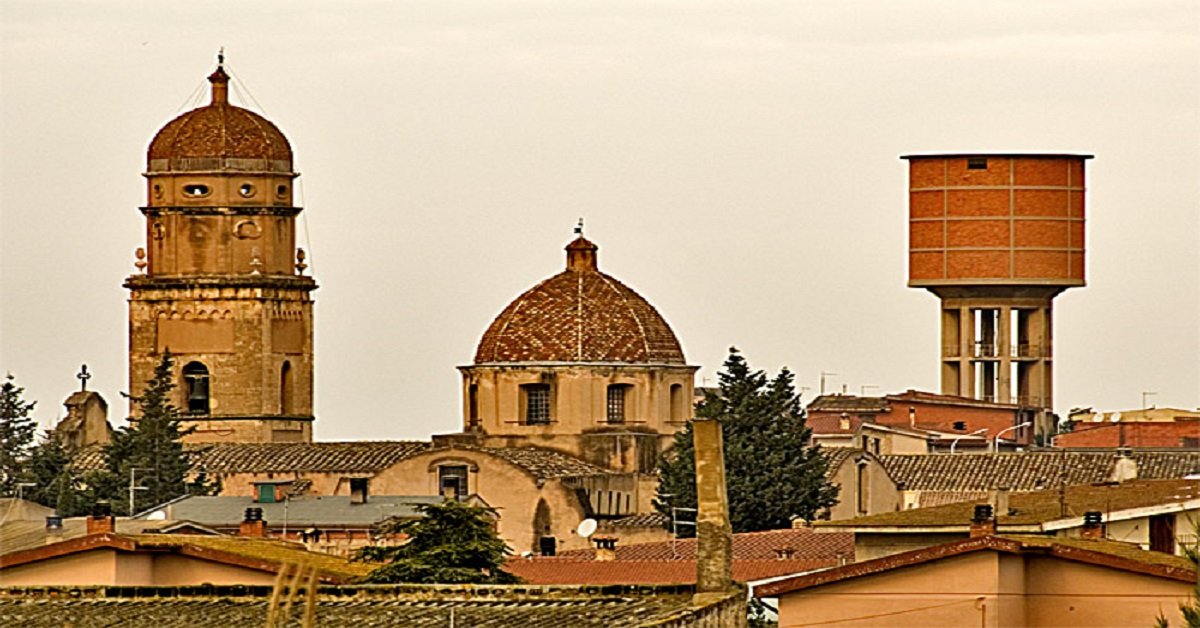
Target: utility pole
(823, 375)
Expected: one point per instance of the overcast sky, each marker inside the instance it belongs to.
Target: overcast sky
(737, 163)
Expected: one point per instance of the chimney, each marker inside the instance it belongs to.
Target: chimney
(1124, 467)
(606, 548)
(101, 520)
(983, 523)
(714, 534)
(54, 529)
(1093, 525)
(253, 525)
(999, 501)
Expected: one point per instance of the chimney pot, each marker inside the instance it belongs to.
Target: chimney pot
(606, 548)
(1093, 525)
(253, 525)
(983, 523)
(101, 520)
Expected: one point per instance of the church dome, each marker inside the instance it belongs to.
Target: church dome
(220, 136)
(580, 315)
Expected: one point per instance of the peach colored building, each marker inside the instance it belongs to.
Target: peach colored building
(993, 581)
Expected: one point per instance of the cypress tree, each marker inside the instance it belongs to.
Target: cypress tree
(150, 450)
(773, 473)
(17, 432)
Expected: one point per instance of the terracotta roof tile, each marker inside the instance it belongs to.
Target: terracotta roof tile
(555, 570)
(1111, 554)
(580, 315)
(361, 606)
(331, 457)
(798, 543)
(1026, 471)
(220, 131)
(545, 463)
(1038, 507)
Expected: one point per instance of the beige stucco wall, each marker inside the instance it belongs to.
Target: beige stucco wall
(578, 397)
(510, 490)
(868, 545)
(881, 493)
(107, 566)
(1015, 591)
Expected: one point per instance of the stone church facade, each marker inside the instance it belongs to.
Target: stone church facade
(577, 386)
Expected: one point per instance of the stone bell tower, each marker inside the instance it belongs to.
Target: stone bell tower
(220, 282)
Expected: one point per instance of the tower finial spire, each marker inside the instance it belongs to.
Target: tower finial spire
(220, 80)
(579, 228)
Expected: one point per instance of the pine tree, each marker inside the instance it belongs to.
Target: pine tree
(17, 432)
(772, 472)
(149, 451)
(56, 484)
(453, 543)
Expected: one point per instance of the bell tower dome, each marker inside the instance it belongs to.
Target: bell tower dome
(220, 283)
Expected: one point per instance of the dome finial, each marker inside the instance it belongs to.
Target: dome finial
(581, 253)
(220, 80)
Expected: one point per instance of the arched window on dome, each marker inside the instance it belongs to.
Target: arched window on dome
(195, 384)
(678, 404)
(472, 406)
(618, 397)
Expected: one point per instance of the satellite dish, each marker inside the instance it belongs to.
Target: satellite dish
(586, 528)
(157, 515)
(1116, 417)
(1098, 417)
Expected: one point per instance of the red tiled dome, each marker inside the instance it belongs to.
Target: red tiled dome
(219, 131)
(580, 315)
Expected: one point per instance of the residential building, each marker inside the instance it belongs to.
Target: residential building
(994, 581)
(1158, 515)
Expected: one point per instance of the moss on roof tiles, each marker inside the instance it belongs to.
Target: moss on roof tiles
(272, 551)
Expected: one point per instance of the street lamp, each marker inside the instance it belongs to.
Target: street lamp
(954, 443)
(1007, 429)
(133, 485)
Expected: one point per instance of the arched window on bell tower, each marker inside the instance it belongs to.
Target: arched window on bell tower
(285, 388)
(195, 384)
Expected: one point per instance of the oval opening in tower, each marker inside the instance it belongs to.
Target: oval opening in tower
(281, 191)
(195, 190)
(246, 190)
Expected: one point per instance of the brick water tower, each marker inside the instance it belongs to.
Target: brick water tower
(996, 237)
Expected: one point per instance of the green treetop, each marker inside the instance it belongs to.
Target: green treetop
(150, 449)
(772, 471)
(454, 543)
(17, 432)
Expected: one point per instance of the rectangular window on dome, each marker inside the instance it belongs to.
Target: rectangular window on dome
(536, 399)
(617, 394)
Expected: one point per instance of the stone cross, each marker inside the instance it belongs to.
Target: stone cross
(83, 376)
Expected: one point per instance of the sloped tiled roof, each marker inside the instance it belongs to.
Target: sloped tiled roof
(361, 606)
(259, 554)
(21, 535)
(847, 403)
(1110, 554)
(798, 543)
(580, 315)
(1038, 507)
(331, 457)
(645, 520)
(545, 463)
(1028, 470)
(321, 511)
(555, 570)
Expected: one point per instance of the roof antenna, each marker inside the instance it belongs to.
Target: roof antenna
(579, 228)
